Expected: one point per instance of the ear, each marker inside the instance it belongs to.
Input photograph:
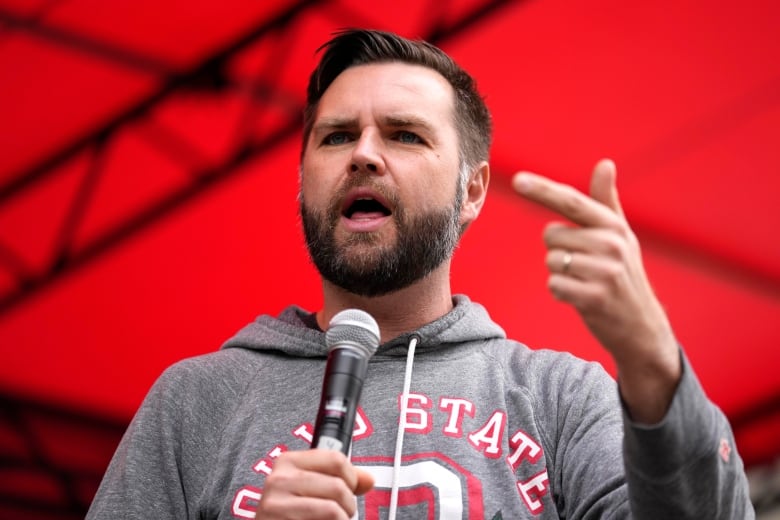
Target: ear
(475, 193)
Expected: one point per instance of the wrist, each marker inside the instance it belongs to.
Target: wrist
(648, 383)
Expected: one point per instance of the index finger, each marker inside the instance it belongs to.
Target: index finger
(564, 200)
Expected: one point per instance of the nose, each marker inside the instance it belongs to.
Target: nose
(367, 154)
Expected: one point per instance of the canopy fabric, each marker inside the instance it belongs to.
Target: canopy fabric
(148, 192)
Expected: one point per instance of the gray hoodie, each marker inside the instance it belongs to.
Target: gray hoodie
(491, 429)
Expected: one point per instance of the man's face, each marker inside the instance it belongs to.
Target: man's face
(379, 185)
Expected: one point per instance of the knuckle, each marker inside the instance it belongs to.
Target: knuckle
(613, 273)
(280, 478)
(332, 509)
(572, 205)
(622, 230)
(614, 246)
(335, 458)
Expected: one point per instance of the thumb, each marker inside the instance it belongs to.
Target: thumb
(364, 483)
(603, 186)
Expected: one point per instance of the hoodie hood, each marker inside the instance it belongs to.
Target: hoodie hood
(289, 333)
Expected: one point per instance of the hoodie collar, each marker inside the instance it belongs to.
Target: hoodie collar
(289, 334)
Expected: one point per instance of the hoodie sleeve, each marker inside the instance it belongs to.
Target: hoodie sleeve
(606, 466)
(160, 468)
(584, 437)
(686, 466)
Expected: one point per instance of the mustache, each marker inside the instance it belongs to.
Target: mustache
(359, 181)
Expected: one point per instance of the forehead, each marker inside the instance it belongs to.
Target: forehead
(392, 87)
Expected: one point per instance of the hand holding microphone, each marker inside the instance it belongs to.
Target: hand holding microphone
(323, 481)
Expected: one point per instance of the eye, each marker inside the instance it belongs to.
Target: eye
(407, 137)
(336, 138)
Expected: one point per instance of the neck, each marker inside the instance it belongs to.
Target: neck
(401, 311)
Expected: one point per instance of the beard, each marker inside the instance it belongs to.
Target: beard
(423, 243)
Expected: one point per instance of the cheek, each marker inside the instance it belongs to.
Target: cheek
(309, 192)
(429, 197)
(319, 177)
(312, 182)
(441, 190)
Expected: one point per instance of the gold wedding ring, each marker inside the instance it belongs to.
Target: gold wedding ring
(567, 258)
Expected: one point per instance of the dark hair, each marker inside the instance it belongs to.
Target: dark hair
(359, 47)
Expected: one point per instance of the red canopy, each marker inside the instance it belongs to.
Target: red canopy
(148, 174)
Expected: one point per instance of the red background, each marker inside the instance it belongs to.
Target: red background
(148, 169)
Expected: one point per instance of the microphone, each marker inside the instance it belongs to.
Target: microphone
(352, 338)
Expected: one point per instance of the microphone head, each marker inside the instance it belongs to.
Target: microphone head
(353, 329)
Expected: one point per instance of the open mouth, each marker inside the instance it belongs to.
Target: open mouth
(365, 204)
(366, 208)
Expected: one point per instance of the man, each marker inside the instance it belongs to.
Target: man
(393, 170)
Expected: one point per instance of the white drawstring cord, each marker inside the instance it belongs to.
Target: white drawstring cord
(399, 440)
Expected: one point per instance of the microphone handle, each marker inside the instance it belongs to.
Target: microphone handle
(345, 372)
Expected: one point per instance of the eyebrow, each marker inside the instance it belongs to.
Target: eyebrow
(396, 121)
(330, 123)
(407, 120)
